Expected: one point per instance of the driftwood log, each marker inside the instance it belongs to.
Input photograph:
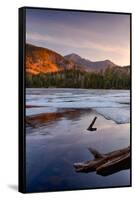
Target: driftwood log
(90, 128)
(106, 164)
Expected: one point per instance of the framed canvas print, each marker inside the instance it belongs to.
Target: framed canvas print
(74, 99)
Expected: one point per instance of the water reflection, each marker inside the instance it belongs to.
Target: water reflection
(52, 150)
(44, 119)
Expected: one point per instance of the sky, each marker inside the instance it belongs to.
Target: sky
(94, 36)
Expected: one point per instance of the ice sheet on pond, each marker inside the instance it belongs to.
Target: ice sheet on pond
(119, 115)
(113, 104)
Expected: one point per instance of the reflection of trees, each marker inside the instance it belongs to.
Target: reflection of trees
(44, 118)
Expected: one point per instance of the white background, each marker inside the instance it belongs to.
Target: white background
(9, 98)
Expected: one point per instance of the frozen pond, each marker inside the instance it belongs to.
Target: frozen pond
(60, 138)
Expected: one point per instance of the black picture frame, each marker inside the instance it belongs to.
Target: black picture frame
(22, 94)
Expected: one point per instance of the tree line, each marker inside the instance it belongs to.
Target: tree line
(73, 78)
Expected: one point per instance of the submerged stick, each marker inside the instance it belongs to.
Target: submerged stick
(106, 164)
(90, 128)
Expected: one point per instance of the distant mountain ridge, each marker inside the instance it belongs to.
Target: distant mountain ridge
(43, 60)
(90, 65)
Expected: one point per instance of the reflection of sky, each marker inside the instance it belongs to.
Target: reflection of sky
(96, 36)
(53, 149)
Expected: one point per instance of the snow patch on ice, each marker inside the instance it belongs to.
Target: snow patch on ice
(112, 104)
(120, 116)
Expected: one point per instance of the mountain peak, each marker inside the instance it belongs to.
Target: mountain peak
(73, 56)
(108, 61)
(89, 65)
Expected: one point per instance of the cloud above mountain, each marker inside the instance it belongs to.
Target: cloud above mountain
(95, 36)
